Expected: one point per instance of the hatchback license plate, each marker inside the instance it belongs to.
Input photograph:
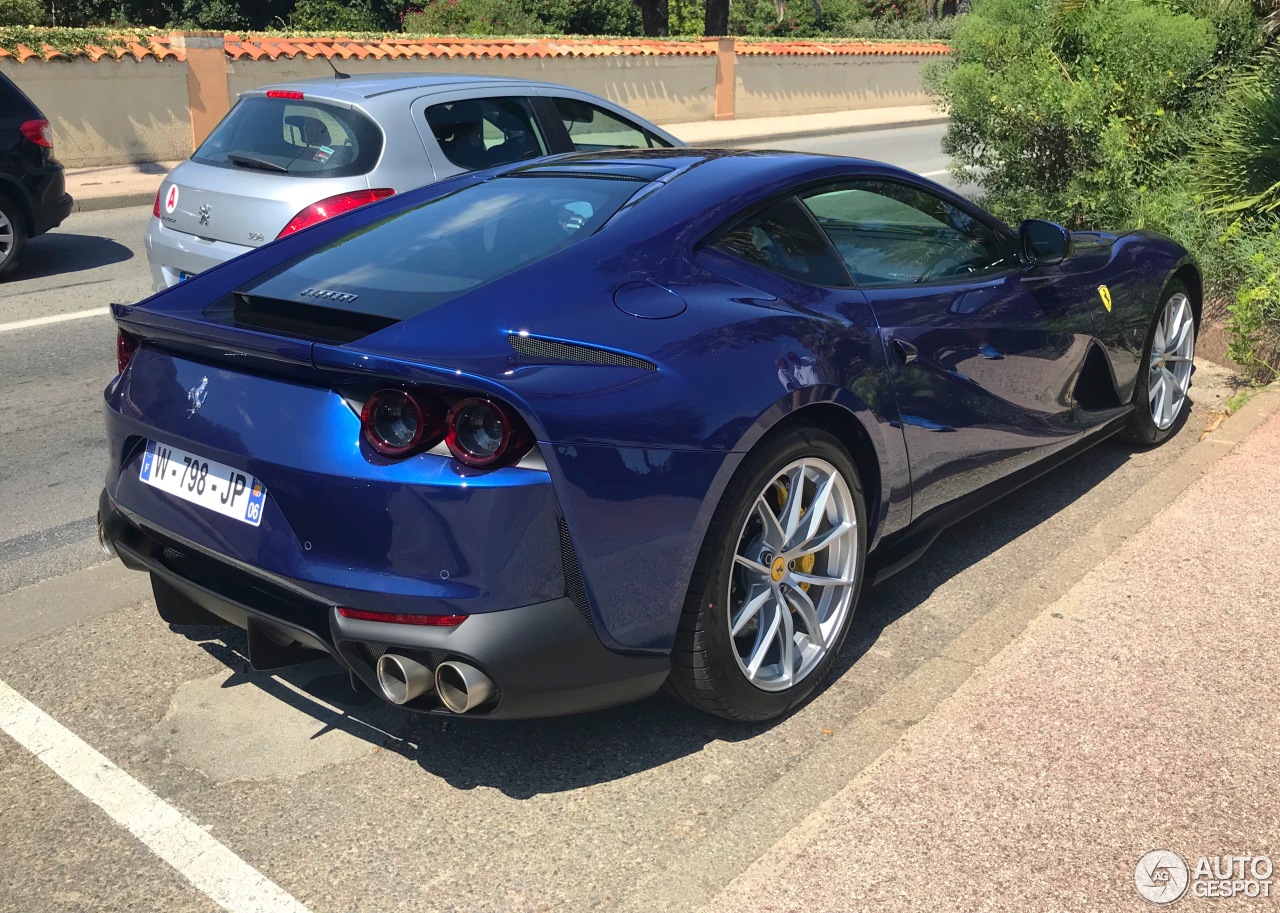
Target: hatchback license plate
(210, 484)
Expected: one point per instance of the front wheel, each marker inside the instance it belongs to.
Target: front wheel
(1160, 401)
(776, 582)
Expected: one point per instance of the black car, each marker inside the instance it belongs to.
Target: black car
(33, 194)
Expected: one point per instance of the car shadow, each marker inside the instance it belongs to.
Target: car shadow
(523, 759)
(59, 253)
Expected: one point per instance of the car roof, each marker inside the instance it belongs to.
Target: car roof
(371, 85)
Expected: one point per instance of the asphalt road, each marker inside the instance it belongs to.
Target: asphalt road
(349, 805)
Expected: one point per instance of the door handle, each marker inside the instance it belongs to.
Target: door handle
(905, 352)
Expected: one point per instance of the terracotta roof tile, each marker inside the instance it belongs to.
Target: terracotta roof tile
(256, 47)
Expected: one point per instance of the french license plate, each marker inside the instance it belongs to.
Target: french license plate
(208, 483)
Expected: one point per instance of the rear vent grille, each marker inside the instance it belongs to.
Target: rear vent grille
(554, 350)
(573, 584)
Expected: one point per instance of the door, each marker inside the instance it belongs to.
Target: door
(983, 354)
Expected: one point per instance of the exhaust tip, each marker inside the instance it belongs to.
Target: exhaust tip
(402, 679)
(462, 687)
(104, 541)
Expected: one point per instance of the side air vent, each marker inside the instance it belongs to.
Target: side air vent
(574, 586)
(555, 350)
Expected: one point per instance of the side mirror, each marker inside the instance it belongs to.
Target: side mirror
(1044, 243)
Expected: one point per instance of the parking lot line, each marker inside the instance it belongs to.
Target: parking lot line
(53, 318)
(212, 868)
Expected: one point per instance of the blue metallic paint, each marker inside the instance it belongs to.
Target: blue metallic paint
(636, 461)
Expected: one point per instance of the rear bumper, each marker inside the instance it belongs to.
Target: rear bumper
(172, 253)
(545, 659)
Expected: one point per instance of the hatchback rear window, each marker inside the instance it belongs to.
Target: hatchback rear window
(299, 137)
(422, 257)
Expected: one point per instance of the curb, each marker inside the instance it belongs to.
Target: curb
(754, 139)
(853, 751)
(115, 201)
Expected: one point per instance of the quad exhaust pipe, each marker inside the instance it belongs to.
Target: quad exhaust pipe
(460, 686)
(401, 678)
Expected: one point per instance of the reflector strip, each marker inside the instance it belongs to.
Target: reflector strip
(398, 618)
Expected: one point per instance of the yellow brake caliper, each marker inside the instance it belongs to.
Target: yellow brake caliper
(805, 564)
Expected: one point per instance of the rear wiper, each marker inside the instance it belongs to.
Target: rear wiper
(246, 160)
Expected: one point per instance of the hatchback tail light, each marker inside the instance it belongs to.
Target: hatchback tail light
(285, 93)
(333, 206)
(155, 207)
(38, 132)
(126, 345)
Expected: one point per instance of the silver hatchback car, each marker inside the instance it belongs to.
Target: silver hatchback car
(291, 155)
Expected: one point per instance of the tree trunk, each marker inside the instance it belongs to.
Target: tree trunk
(931, 10)
(716, 23)
(654, 15)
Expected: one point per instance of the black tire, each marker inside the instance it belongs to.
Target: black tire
(705, 672)
(1142, 429)
(13, 215)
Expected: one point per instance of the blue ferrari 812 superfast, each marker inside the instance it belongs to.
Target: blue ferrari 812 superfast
(545, 438)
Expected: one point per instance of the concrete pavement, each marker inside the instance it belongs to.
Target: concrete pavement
(1141, 711)
(136, 185)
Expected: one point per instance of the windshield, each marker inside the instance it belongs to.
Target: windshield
(293, 136)
(420, 258)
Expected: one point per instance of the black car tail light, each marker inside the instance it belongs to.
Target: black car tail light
(396, 423)
(126, 345)
(485, 434)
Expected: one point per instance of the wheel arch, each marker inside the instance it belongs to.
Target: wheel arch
(842, 414)
(1188, 273)
(13, 192)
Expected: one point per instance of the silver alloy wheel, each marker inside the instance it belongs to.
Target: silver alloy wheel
(795, 566)
(1172, 351)
(6, 237)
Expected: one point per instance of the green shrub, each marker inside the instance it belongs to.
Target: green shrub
(590, 17)
(21, 12)
(1072, 110)
(334, 16)
(472, 17)
(1255, 310)
(1237, 163)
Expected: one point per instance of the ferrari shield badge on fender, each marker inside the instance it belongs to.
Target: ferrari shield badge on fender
(1105, 294)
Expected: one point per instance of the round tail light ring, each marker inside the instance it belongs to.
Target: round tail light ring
(395, 423)
(468, 426)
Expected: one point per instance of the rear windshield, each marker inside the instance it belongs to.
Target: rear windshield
(293, 136)
(420, 258)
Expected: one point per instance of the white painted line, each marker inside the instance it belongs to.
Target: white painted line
(55, 318)
(934, 174)
(214, 870)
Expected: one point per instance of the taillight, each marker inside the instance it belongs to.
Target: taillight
(396, 424)
(484, 434)
(155, 207)
(333, 206)
(38, 132)
(285, 93)
(399, 618)
(126, 345)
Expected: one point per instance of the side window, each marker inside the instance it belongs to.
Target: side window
(591, 128)
(476, 133)
(889, 233)
(782, 239)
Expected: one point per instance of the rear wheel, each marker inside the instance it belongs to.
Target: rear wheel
(774, 590)
(1160, 398)
(13, 234)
